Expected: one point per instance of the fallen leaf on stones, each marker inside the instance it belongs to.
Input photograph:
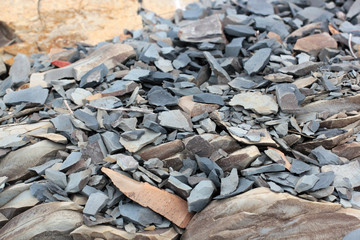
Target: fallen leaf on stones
(166, 204)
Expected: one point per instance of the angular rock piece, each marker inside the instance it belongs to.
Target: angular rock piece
(200, 196)
(239, 159)
(111, 141)
(133, 134)
(235, 218)
(265, 138)
(239, 30)
(94, 77)
(222, 76)
(110, 233)
(301, 69)
(199, 146)
(349, 170)
(180, 188)
(160, 97)
(258, 61)
(299, 167)
(279, 77)
(57, 177)
(175, 119)
(325, 157)
(95, 203)
(126, 163)
(134, 146)
(77, 181)
(255, 101)
(288, 97)
(162, 151)
(306, 183)
(208, 98)
(230, 183)
(347, 150)
(260, 7)
(193, 108)
(71, 160)
(34, 96)
(89, 119)
(208, 29)
(15, 165)
(166, 204)
(109, 54)
(140, 215)
(276, 167)
(313, 44)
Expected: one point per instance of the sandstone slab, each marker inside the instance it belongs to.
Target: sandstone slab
(257, 102)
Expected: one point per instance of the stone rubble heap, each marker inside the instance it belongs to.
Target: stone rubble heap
(135, 138)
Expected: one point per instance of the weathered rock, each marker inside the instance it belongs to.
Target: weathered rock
(288, 97)
(199, 146)
(77, 181)
(200, 196)
(15, 165)
(222, 76)
(239, 159)
(188, 105)
(160, 97)
(134, 146)
(279, 77)
(109, 233)
(133, 135)
(57, 177)
(162, 151)
(349, 170)
(229, 183)
(166, 204)
(94, 77)
(232, 218)
(313, 44)
(300, 69)
(239, 30)
(48, 220)
(112, 142)
(347, 150)
(298, 167)
(208, 29)
(255, 101)
(306, 182)
(258, 61)
(208, 98)
(95, 203)
(325, 157)
(180, 188)
(33, 96)
(276, 167)
(175, 119)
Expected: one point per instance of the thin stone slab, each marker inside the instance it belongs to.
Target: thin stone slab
(70, 161)
(95, 203)
(349, 170)
(200, 196)
(325, 157)
(243, 186)
(20, 70)
(180, 188)
(34, 96)
(89, 119)
(325, 180)
(258, 61)
(112, 142)
(306, 183)
(94, 77)
(175, 119)
(229, 184)
(222, 76)
(57, 177)
(260, 7)
(255, 101)
(301, 69)
(160, 97)
(208, 98)
(276, 167)
(134, 146)
(77, 181)
(239, 30)
(289, 97)
(313, 44)
(139, 214)
(298, 166)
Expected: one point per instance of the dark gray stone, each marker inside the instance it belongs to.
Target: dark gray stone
(77, 181)
(62, 123)
(89, 119)
(180, 188)
(305, 183)
(40, 170)
(325, 157)
(139, 215)
(208, 98)
(272, 24)
(301, 69)
(239, 30)
(222, 76)
(136, 75)
(94, 77)
(111, 141)
(206, 165)
(149, 54)
(263, 169)
(133, 134)
(181, 61)
(314, 14)
(200, 196)
(258, 61)
(154, 126)
(95, 203)
(244, 185)
(230, 183)
(160, 97)
(299, 167)
(260, 7)
(325, 180)
(70, 161)
(33, 96)
(240, 84)
(95, 149)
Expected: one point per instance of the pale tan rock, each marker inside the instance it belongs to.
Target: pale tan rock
(305, 29)
(15, 165)
(134, 146)
(262, 214)
(164, 203)
(112, 233)
(162, 151)
(25, 129)
(313, 44)
(347, 150)
(21, 202)
(339, 122)
(194, 108)
(12, 191)
(45, 221)
(255, 101)
(239, 159)
(226, 143)
(304, 82)
(54, 137)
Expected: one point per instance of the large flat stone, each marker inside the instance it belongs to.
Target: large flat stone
(255, 101)
(34, 96)
(262, 214)
(134, 146)
(175, 119)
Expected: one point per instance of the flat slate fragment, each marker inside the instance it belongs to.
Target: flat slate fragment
(255, 101)
(208, 98)
(200, 196)
(222, 76)
(325, 157)
(258, 61)
(34, 95)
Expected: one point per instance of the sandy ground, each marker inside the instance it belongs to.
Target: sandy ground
(64, 22)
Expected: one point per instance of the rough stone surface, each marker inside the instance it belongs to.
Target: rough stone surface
(258, 61)
(35, 96)
(175, 119)
(257, 102)
(200, 196)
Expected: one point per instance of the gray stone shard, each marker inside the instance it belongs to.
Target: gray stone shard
(289, 97)
(175, 119)
(150, 54)
(230, 183)
(208, 98)
(180, 188)
(348, 171)
(353, 235)
(77, 181)
(95, 203)
(206, 165)
(136, 75)
(126, 163)
(222, 76)
(275, 188)
(233, 48)
(244, 185)
(181, 61)
(133, 134)
(325, 157)
(200, 196)
(258, 61)
(57, 177)
(89, 119)
(298, 167)
(33, 96)
(263, 169)
(94, 77)
(239, 30)
(70, 161)
(325, 180)
(40, 170)
(260, 7)
(139, 215)
(305, 183)
(160, 97)
(301, 69)
(111, 141)
(20, 70)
